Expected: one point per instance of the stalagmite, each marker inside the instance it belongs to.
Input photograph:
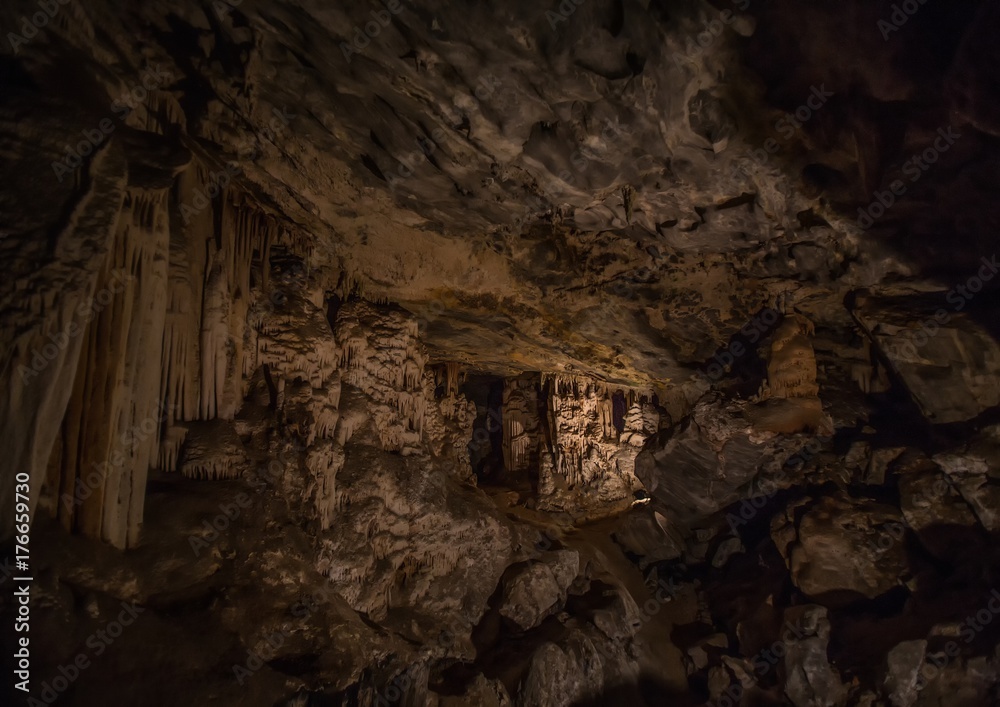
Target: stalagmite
(381, 356)
(581, 460)
(789, 399)
(522, 435)
(405, 353)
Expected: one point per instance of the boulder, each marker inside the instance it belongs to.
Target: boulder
(902, 672)
(709, 460)
(954, 682)
(841, 547)
(727, 548)
(706, 650)
(978, 482)
(620, 617)
(949, 363)
(935, 510)
(879, 463)
(810, 680)
(650, 535)
(538, 589)
(559, 676)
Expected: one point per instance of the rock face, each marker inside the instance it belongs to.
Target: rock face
(709, 460)
(810, 680)
(406, 352)
(935, 509)
(592, 461)
(555, 674)
(903, 666)
(946, 360)
(974, 476)
(539, 588)
(838, 545)
(649, 535)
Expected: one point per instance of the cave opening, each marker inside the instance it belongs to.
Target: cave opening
(486, 444)
(333, 304)
(619, 410)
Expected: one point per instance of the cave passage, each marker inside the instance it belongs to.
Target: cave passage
(486, 446)
(397, 353)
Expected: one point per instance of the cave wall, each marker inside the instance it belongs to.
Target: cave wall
(111, 358)
(250, 263)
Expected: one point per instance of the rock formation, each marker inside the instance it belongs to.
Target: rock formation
(415, 353)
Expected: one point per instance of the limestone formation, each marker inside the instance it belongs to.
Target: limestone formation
(841, 546)
(411, 353)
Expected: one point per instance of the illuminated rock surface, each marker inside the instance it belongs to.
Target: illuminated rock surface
(427, 353)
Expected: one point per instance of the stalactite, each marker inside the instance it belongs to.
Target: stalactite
(212, 451)
(181, 381)
(112, 426)
(380, 355)
(214, 337)
(521, 433)
(586, 463)
(169, 343)
(170, 446)
(324, 461)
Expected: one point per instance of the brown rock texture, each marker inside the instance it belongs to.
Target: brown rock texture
(568, 354)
